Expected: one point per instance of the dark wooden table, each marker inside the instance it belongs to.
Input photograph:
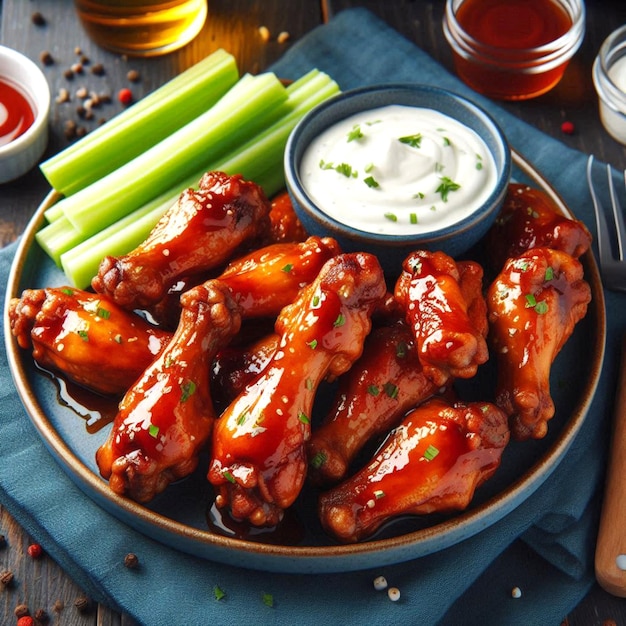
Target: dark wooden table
(234, 26)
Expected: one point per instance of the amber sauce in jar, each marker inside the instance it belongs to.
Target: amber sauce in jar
(509, 34)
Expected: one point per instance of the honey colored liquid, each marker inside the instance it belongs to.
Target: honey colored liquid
(511, 26)
(142, 27)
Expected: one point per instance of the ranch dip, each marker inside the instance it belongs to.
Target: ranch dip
(398, 170)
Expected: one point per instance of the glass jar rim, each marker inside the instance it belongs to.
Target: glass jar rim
(609, 92)
(550, 54)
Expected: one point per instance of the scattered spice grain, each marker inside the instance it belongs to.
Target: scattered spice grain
(131, 561)
(133, 76)
(58, 606)
(380, 583)
(83, 604)
(46, 58)
(38, 19)
(77, 68)
(3, 541)
(98, 69)
(35, 551)
(20, 610)
(264, 31)
(568, 128)
(6, 578)
(125, 96)
(516, 592)
(283, 37)
(63, 96)
(42, 616)
(68, 74)
(394, 594)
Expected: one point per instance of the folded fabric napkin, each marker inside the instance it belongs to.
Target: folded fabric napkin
(545, 546)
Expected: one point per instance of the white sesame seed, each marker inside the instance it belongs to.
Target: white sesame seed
(394, 594)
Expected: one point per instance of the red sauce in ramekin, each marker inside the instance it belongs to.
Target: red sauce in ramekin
(16, 113)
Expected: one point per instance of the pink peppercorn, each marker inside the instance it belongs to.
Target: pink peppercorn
(567, 128)
(125, 96)
(35, 550)
(27, 620)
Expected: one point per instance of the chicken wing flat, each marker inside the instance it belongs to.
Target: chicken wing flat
(85, 336)
(530, 219)
(534, 304)
(432, 462)
(449, 342)
(372, 397)
(201, 231)
(285, 226)
(266, 280)
(259, 462)
(166, 418)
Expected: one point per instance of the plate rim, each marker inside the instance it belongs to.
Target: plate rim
(307, 559)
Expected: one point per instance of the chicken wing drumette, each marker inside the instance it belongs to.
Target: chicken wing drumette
(432, 462)
(259, 461)
(534, 304)
(166, 418)
(448, 331)
(201, 231)
(530, 219)
(85, 336)
(372, 397)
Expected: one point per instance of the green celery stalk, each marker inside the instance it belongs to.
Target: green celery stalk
(259, 159)
(58, 236)
(142, 125)
(249, 106)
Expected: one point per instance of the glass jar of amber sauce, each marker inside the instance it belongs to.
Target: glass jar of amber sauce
(513, 49)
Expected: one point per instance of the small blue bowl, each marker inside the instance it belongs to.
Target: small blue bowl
(393, 249)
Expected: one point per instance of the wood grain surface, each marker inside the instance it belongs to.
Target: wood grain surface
(233, 25)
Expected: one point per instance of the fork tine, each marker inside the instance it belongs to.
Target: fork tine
(617, 214)
(604, 237)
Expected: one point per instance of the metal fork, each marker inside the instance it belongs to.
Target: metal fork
(612, 263)
(610, 557)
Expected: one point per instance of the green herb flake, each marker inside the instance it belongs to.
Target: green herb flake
(355, 133)
(103, 313)
(531, 301)
(419, 195)
(439, 167)
(392, 217)
(312, 344)
(268, 599)
(304, 418)
(379, 493)
(549, 275)
(479, 162)
(218, 593)
(413, 218)
(340, 321)
(228, 476)
(67, 291)
(373, 390)
(243, 416)
(446, 141)
(326, 165)
(83, 335)
(188, 388)
(368, 168)
(316, 300)
(431, 452)
(318, 460)
(371, 182)
(446, 186)
(412, 140)
(153, 430)
(346, 170)
(287, 268)
(391, 390)
(541, 308)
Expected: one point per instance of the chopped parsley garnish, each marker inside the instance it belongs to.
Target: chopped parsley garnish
(540, 307)
(268, 599)
(153, 430)
(371, 182)
(346, 170)
(312, 344)
(318, 460)
(413, 218)
(83, 335)
(392, 217)
(391, 390)
(326, 165)
(228, 476)
(479, 162)
(368, 168)
(445, 187)
(103, 313)
(188, 388)
(355, 133)
(549, 275)
(67, 291)
(243, 416)
(218, 593)
(431, 452)
(340, 321)
(414, 141)
(446, 141)
(287, 268)
(373, 390)
(316, 300)
(379, 493)
(304, 418)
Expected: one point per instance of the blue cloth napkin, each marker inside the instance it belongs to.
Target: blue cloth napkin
(545, 546)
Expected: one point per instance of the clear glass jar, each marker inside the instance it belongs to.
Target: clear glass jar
(609, 78)
(513, 50)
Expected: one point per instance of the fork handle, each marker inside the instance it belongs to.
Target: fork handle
(610, 559)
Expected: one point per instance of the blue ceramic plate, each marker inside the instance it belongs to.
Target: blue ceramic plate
(178, 517)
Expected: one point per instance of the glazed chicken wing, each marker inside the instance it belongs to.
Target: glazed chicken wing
(266, 280)
(259, 462)
(534, 304)
(449, 342)
(199, 232)
(285, 226)
(166, 418)
(85, 336)
(432, 462)
(372, 397)
(530, 219)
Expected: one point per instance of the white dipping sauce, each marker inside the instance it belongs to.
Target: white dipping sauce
(398, 170)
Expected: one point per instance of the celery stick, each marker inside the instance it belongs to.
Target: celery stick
(58, 236)
(249, 106)
(142, 125)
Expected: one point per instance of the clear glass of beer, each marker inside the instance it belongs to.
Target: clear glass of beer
(142, 27)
